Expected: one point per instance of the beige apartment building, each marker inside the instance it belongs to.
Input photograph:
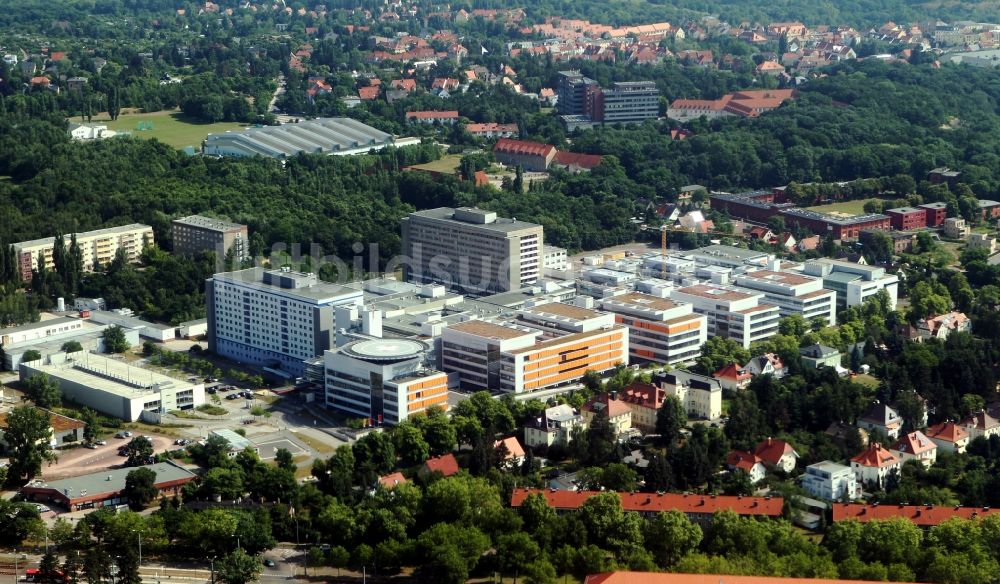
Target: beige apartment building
(98, 247)
(196, 233)
(471, 250)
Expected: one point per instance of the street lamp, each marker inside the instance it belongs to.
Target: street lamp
(212, 561)
(139, 536)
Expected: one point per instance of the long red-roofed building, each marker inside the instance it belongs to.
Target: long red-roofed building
(921, 515)
(531, 156)
(698, 508)
(576, 162)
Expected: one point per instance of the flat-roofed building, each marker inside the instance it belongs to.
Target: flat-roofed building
(97, 248)
(472, 350)
(853, 283)
(105, 488)
(661, 330)
(907, 218)
(114, 387)
(195, 234)
(793, 293)
(273, 318)
(830, 481)
(48, 337)
(471, 250)
(935, 213)
(628, 102)
(732, 313)
(386, 380)
(728, 256)
(331, 136)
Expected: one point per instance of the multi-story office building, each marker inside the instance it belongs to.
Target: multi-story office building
(98, 248)
(853, 283)
(272, 318)
(195, 234)
(732, 313)
(659, 329)
(471, 250)
(546, 345)
(793, 293)
(629, 102)
(385, 380)
(906, 218)
(574, 90)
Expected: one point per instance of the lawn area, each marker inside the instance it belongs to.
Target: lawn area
(446, 165)
(847, 207)
(213, 410)
(320, 447)
(169, 127)
(866, 380)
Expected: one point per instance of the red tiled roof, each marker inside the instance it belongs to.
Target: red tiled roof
(665, 578)
(918, 514)
(391, 480)
(613, 407)
(742, 460)
(771, 450)
(947, 431)
(980, 420)
(655, 502)
(514, 449)
(511, 146)
(643, 394)
(432, 115)
(368, 93)
(491, 127)
(446, 465)
(876, 456)
(588, 161)
(732, 371)
(914, 443)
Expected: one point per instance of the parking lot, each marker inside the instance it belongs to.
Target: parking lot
(81, 461)
(268, 450)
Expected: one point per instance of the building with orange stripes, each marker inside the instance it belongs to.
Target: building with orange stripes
(660, 330)
(544, 346)
(385, 380)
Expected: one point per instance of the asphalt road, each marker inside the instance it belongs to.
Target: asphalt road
(83, 460)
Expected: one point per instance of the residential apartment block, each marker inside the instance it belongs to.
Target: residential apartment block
(700, 395)
(195, 234)
(471, 250)
(272, 318)
(97, 247)
(385, 380)
(793, 293)
(660, 330)
(739, 315)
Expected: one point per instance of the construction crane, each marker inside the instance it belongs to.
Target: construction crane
(663, 251)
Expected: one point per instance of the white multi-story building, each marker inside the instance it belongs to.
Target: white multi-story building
(853, 283)
(831, 481)
(385, 380)
(273, 318)
(554, 427)
(471, 250)
(793, 293)
(732, 313)
(660, 330)
(97, 248)
(700, 395)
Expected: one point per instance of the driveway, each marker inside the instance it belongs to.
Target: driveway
(81, 461)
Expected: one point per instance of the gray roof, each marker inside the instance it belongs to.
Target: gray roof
(208, 223)
(113, 480)
(38, 325)
(834, 219)
(322, 135)
(501, 225)
(308, 287)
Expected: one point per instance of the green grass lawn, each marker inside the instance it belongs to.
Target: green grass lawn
(848, 207)
(446, 164)
(169, 127)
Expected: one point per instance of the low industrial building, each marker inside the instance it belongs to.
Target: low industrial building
(105, 488)
(48, 337)
(153, 331)
(332, 136)
(115, 387)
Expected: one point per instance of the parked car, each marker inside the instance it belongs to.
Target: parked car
(211, 390)
(210, 380)
(123, 434)
(101, 442)
(91, 446)
(269, 563)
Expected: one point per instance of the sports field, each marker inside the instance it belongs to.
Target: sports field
(445, 165)
(846, 207)
(169, 127)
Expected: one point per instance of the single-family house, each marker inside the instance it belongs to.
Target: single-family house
(618, 412)
(917, 446)
(816, 356)
(949, 437)
(980, 424)
(555, 426)
(513, 452)
(645, 400)
(740, 460)
(391, 480)
(942, 325)
(766, 364)
(733, 377)
(700, 395)
(874, 465)
(444, 464)
(777, 454)
(882, 418)
(831, 481)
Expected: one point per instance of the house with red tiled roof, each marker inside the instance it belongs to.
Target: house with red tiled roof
(531, 156)
(444, 83)
(949, 437)
(444, 464)
(407, 85)
(761, 234)
(433, 117)
(513, 452)
(368, 93)
(391, 480)
(645, 400)
(733, 377)
(492, 130)
(618, 412)
(917, 446)
(62, 429)
(748, 463)
(942, 325)
(874, 464)
(920, 515)
(777, 453)
(576, 162)
(699, 508)
(770, 68)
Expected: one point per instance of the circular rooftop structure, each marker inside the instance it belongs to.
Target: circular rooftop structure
(385, 350)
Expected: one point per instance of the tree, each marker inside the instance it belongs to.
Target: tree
(515, 551)
(114, 339)
(237, 567)
(283, 458)
(27, 435)
(670, 536)
(140, 488)
(30, 355)
(929, 299)
(718, 352)
(410, 444)
(91, 424)
(670, 420)
(71, 347)
(48, 567)
(140, 451)
(43, 390)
